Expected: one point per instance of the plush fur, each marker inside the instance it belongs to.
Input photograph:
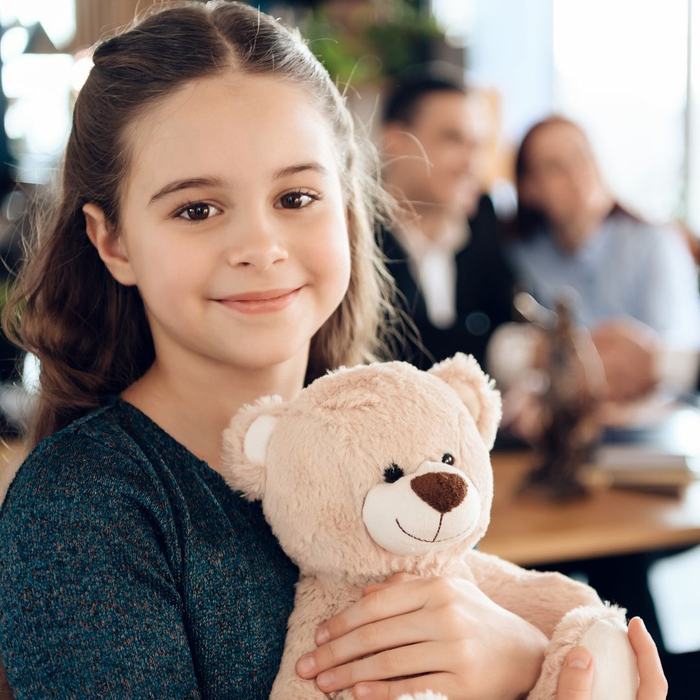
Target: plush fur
(383, 468)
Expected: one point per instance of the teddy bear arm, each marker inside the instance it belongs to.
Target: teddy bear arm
(603, 631)
(542, 599)
(569, 613)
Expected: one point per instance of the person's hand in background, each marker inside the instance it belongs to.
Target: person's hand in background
(628, 352)
(576, 678)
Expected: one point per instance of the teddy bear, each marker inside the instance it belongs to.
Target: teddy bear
(383, 468)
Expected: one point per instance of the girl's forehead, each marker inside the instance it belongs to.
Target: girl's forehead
(240, 126)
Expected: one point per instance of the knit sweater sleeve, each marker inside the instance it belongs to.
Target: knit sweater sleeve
(90, 604)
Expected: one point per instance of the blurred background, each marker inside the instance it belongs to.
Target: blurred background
(623, 69)
(627, 71)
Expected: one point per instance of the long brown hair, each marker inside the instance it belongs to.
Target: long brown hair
(528, 219)
(90, 333)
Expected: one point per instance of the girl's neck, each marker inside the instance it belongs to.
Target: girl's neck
(196, 404)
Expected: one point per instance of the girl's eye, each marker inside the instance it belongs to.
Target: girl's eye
(198, 211)
(297, 200)
(393, 473)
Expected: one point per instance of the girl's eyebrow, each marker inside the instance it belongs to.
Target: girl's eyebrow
(184, 185)
(178, 185)
(293, 169)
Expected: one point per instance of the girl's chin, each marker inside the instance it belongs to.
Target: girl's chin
(262, 358)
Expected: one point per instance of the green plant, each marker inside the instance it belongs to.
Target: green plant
(375, 41)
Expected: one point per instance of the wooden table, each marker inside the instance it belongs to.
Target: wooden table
(530, 532)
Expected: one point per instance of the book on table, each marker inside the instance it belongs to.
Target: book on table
(663, 458)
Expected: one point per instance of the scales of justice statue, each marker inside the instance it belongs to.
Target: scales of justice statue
(575, 387)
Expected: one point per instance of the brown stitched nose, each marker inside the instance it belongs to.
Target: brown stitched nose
(440, 490)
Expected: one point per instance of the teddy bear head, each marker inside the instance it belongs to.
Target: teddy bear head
(372, 469)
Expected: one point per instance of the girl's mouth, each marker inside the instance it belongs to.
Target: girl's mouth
(261, 302)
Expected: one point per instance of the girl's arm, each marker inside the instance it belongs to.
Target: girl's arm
(89, 598)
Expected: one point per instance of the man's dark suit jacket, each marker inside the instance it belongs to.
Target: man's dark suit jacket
(484, 293)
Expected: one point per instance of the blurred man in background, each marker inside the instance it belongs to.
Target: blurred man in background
(443, 252)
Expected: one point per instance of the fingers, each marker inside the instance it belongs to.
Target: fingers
(416, 659)
(391, 633)
(652, 682)
(392, 690)
(576, 677)
(377, 605)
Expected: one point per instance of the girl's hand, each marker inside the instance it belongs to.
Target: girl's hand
(443, 633)
(576, 678)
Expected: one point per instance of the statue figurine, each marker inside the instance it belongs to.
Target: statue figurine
(575, 389)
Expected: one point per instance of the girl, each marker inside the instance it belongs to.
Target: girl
(213, 243)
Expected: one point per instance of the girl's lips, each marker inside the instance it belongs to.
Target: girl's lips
(261, 302)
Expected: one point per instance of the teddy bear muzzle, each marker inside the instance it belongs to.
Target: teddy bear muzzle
(431, 509)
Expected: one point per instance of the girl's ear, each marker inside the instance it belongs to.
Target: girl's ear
(110, 248)
(476, 390)
(245, 444)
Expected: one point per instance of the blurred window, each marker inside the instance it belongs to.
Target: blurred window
(627, 70)
(620, 69)
(37, 82)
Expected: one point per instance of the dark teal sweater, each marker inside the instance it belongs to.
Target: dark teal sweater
(128, 568)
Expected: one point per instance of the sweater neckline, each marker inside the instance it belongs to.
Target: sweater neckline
(159, 433)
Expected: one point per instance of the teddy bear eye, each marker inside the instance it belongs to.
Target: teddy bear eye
(447, 458)
(393, 473)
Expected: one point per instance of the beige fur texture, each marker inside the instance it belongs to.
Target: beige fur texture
(354, 472)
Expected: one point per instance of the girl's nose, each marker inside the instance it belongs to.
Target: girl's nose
(255, 243)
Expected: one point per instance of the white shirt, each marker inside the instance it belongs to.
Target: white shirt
(434, 269)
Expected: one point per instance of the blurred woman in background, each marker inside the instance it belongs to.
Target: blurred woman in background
(634, 284)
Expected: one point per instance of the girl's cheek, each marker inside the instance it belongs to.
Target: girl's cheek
(342, 259)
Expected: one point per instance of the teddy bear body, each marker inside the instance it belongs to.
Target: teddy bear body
(541, 598)
(381, 469)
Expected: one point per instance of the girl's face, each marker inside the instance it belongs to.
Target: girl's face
(233, 224)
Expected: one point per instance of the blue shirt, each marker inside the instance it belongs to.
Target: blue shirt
(128, 568)
(628, 268)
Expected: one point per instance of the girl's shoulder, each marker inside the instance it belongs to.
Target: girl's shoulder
(105, 455)
(99, 436)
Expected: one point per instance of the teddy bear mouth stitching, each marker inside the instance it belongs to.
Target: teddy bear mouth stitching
(435, 539)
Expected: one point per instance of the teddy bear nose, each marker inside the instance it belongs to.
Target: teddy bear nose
(440, 490)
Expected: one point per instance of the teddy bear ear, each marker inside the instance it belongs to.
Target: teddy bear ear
(476, 390)
(245, 444)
